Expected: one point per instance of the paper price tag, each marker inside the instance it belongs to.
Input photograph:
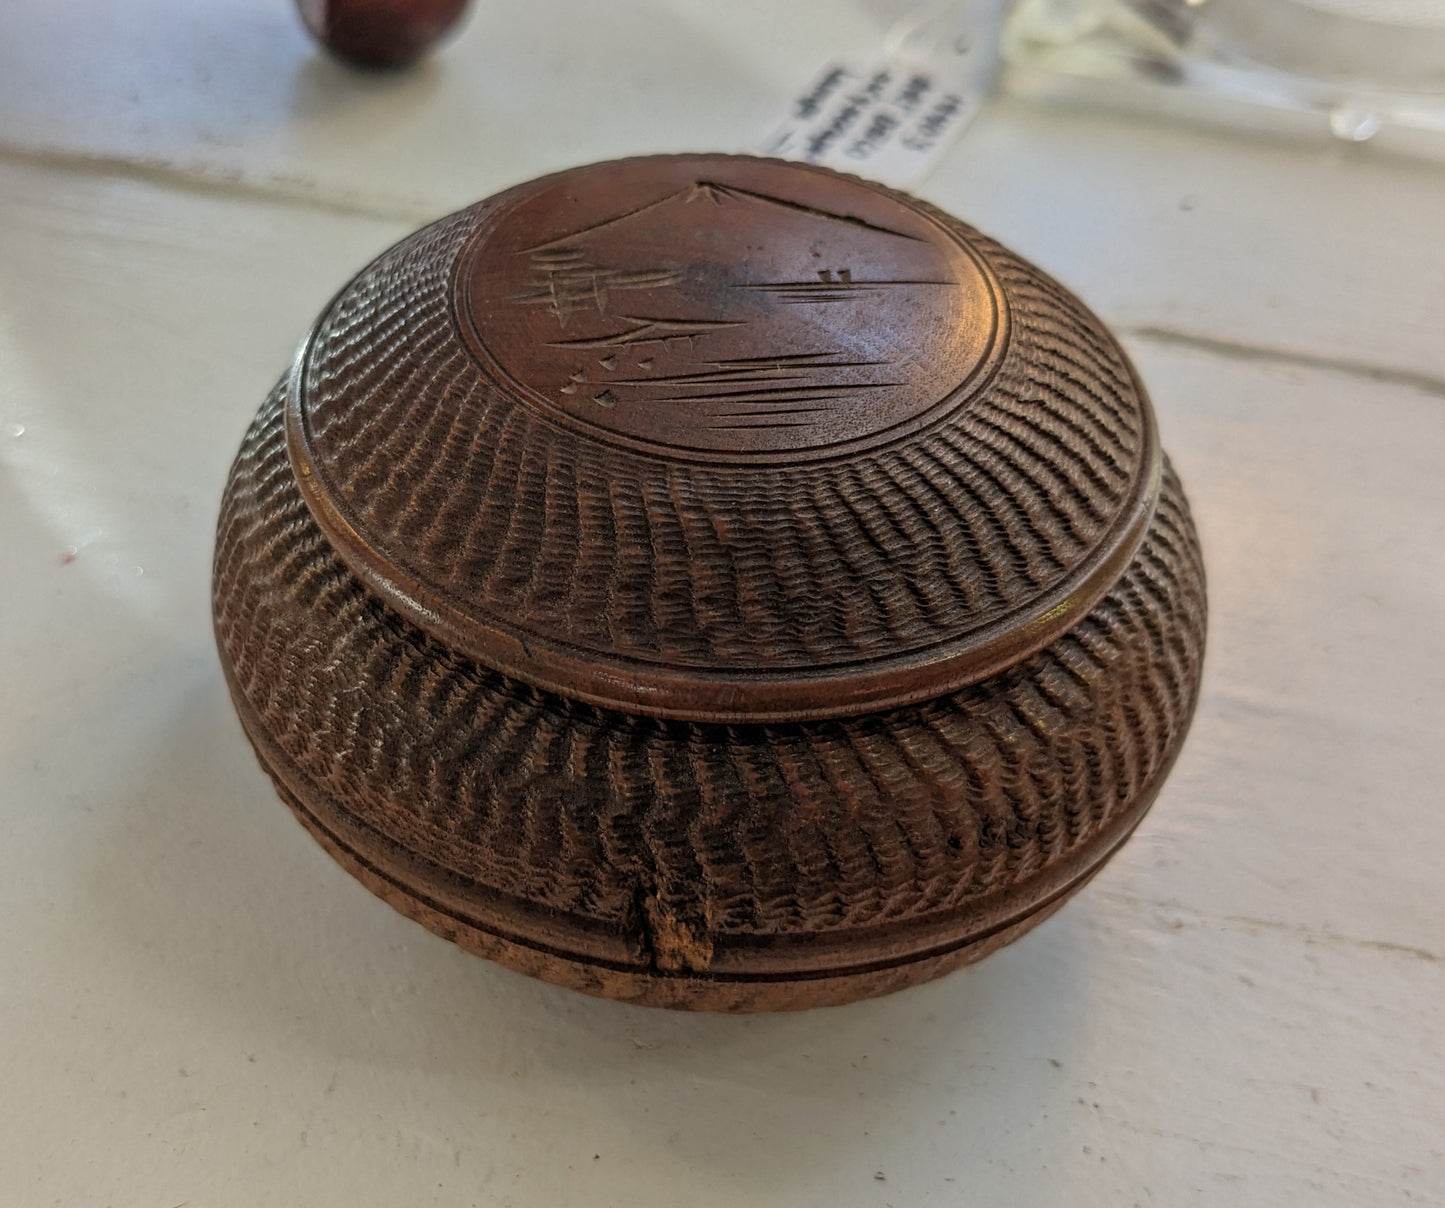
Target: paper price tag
(892, 117)
(886, 120)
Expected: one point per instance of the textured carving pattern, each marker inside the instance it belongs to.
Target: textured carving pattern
(613, 846)
(694, 567)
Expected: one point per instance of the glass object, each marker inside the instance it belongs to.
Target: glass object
(1359, 69)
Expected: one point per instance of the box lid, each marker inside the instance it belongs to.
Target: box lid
(722, 439)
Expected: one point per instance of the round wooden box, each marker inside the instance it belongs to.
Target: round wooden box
(711, 582)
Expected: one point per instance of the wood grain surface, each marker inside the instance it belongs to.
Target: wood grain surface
(758, 860)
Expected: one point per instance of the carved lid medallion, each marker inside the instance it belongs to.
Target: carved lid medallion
(719, 438)
(712, 320)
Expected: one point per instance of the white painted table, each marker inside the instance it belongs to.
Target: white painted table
(197, 1007)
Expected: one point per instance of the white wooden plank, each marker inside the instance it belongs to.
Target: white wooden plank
(1326, 252)
(233, 90)
(199, 1006)
(1331, 253)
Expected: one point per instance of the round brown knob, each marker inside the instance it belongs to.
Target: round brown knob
(380, 33)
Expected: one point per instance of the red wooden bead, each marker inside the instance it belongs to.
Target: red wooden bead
(380, 33)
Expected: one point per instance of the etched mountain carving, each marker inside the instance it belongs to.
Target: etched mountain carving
(718, 318)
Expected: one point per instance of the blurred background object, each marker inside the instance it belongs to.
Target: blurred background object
(1355, 68)
(380, 33)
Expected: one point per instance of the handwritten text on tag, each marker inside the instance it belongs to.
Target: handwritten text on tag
(886, 119)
